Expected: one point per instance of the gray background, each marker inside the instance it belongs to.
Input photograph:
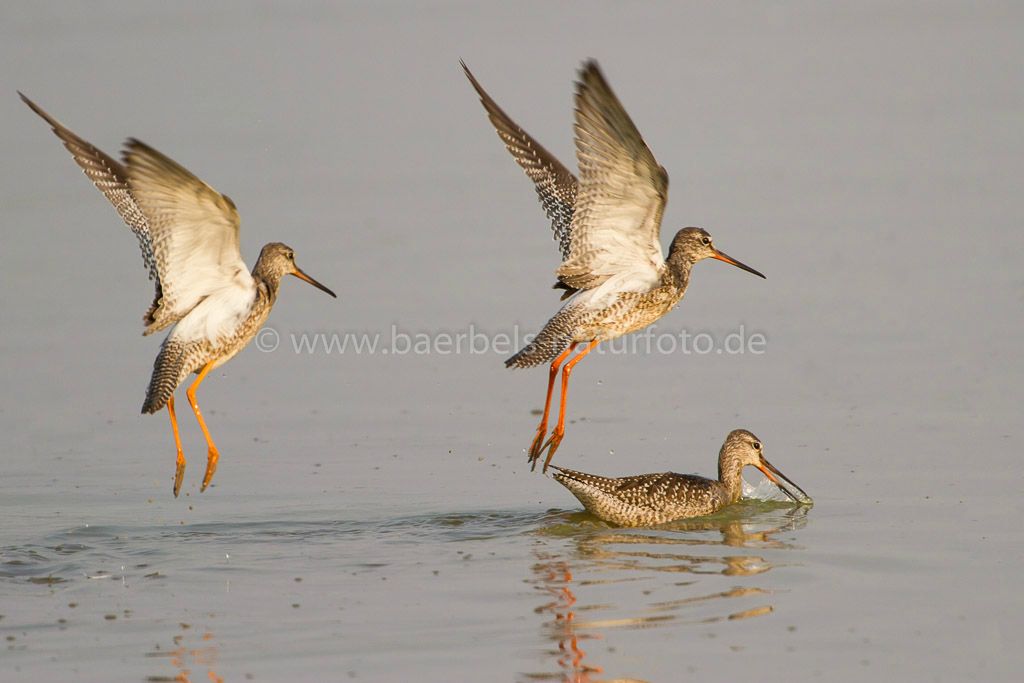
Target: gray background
(865, 156)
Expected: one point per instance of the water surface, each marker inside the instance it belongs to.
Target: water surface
(373, 517)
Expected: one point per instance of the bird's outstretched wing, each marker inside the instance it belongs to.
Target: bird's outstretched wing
(622, 193)
(194, 230)
(111, 178)
(188, 232)
(556, 185)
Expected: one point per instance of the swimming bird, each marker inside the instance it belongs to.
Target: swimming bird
(189, 237)
(648, 499)
(607, 225)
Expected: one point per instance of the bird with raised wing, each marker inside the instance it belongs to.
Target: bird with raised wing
(607, 225)
(648, 499)
(189, 235)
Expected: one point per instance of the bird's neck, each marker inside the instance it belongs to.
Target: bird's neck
(730, 473)
(678, 267)
(267, 283)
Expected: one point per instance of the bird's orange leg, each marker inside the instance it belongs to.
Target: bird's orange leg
(542, 429)
(212, 454)
(556, 436)
(179, 471)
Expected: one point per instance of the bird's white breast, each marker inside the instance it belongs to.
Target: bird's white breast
(219, 315)
(607, 293)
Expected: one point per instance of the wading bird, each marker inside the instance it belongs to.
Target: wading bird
(188, 233)
(648, 499)
(607, 225)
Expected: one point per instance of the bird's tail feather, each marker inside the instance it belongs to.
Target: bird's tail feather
(169, 370)
(555, 338)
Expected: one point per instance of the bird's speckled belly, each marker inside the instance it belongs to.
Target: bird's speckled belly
(230, 347)
(630, 313)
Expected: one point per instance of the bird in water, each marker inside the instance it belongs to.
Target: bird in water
(607, 226)
(188, 233)
(648, 499)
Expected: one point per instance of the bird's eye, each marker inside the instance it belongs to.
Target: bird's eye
(757, 445)
(291, 255)
(706, 240)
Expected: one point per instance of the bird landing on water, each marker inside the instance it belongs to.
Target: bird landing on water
(189, 235)
(607, 225)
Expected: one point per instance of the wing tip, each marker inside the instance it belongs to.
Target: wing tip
(484, 97)
(590, 70)
(26, 100)
(469, 74)
(42, 113)
(573, 480)
(566, 473)
(562, 476)
(135, 152)
(501, 121)
(592, 84)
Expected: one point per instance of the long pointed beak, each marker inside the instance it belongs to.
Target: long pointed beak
(722, 256)
(774, 475)
(302, 276)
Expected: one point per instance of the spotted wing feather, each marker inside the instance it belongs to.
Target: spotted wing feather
(556, 185)
(110, 178)
(645, 490)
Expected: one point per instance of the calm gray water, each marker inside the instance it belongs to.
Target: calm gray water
(372, 517)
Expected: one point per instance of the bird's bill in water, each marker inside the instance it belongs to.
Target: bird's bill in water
(302, 276)
(722, 256)
(774, 475)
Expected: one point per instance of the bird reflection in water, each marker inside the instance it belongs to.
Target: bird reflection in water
(601, 565)
(186, 656)
(553, 577)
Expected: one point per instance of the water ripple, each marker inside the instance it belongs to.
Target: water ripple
(100, 551)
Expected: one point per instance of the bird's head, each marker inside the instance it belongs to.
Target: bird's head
(695, 244)
(277, 260)
(743, 448)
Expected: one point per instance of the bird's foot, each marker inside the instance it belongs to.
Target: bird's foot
(551, 445)
(537, 446)
(211, 467)
(179, 473)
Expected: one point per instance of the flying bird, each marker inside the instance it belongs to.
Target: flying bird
(189, 235)
(607, 224)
